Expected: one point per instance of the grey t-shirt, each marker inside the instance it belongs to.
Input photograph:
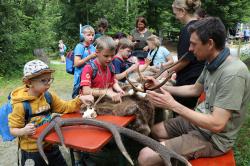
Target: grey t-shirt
(229, 88)
(141, 38)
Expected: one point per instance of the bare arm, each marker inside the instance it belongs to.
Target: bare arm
(100, 92)
(186, 90)
(169, 61)
(79, 62)
(214, 122)
(121, 75)
(143, 67)
(129, 70)
(117, 87)
(86, 90)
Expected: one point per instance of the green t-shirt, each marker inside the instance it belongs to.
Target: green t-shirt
(228, 87)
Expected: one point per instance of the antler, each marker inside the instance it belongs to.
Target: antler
(164, 153)
(100, 97)
(144, 88)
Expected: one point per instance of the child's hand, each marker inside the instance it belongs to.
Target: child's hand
(93, 55)
(87, 99)
(29, 129)
(121, 92)
(145, 48)
(116, 97)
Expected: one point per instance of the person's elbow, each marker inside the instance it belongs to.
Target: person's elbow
(118, 77)
(218, 127)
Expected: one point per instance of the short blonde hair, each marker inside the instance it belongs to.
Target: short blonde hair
(155, 40)
(105, 42)
(88, 29)
(189, 5)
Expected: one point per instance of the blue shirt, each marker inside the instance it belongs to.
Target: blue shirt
(81, 51)
(247, 32)
(120, 66)
(160, 56)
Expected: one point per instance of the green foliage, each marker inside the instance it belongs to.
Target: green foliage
(25, 25)
(29, 24)
(242, 146)
(231, 12)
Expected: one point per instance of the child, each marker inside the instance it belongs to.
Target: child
(158, 55)
(104, 82)
(83, 52)
(37, 79)
(62, 49)
(122, 67)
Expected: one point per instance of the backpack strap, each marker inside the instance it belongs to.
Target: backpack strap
(48, 97)
(28, 110)
(94, 68)
(111, 68)
(151, 63)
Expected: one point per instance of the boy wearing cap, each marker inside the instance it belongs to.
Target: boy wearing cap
(37, 79)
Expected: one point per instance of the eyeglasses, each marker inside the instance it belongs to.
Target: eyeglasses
(45, 81)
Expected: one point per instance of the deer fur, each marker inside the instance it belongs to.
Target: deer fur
(142, 108)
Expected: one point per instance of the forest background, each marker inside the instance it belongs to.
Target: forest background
(26, 25)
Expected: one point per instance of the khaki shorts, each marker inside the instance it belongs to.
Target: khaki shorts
(184, 139)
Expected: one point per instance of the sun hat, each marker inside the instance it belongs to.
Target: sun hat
(35, 68)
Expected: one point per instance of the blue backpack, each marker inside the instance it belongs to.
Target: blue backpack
(6, 109)
(76, 89)
(70, 62)
(70, 68)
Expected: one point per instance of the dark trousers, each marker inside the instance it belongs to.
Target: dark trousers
(54, 156)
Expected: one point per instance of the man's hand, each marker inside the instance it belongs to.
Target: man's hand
(87, 99)
(163, 99)
(150, 81)
(29, 129)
